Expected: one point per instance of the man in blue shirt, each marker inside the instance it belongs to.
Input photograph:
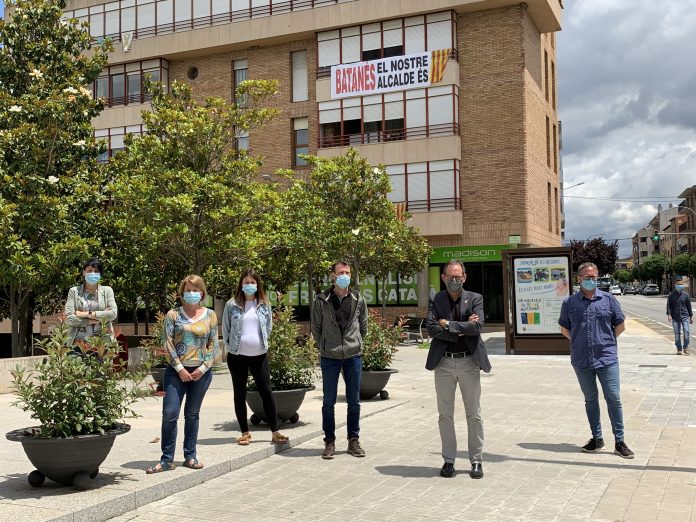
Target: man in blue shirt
(679, 313)
(592, 320)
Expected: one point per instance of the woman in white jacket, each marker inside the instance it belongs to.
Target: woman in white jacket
(88, 305)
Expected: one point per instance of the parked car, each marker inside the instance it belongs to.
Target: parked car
(630, 289)
(615, 290)
(651, 289)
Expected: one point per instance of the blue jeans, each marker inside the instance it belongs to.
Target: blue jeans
(678, 326)
(175, 391)
(609, 379)
(330, 370)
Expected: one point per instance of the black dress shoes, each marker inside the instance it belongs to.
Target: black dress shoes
(476, 470)
(447, 470)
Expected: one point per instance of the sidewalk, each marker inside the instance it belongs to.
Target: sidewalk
(534, 421)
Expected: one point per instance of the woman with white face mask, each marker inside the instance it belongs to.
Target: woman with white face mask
(246, 328)
(87, 306)
(190, 340)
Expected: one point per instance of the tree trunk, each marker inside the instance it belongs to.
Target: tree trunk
(14, 320)
(311, 290)
(384, 298)
(136, 324)
(147, 319)
(356, 273)
(26, 323)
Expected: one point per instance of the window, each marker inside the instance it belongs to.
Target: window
(548, 142)
(300, 141)
(553, 85)
(425, 186)
(555, 149)
(242, 140)
(241, 73)
(558, 213)
(124, 84)
(411, 114)
(548, 198)
(299, 76)
(114, 139)
(546, 75)
(388, 38)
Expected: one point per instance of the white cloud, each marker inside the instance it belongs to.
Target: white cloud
(628, 111)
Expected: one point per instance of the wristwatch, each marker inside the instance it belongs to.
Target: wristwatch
(446, 327)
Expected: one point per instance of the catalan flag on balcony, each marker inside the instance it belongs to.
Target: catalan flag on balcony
(438, 62)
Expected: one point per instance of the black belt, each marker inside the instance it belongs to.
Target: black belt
(456, 355)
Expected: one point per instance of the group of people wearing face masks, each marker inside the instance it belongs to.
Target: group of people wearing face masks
(190, 340)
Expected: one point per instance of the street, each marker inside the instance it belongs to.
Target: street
(648, 310)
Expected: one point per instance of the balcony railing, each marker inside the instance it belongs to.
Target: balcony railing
(224, 18)
(115, 101)
(412, 133)
(325, 71)
(433, 205)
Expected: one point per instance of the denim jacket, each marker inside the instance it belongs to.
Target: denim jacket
(232, 319)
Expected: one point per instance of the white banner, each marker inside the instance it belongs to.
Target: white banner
(541, 285)
(396, 73)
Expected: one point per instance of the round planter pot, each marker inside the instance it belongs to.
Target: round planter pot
(73, 460)
(373, 383)
(287, 403)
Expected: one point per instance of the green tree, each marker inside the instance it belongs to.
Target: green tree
(655, 266)
(361, 223)
(185, 197)
(684, 265)
(597, 251)
(50, 187)
(622, 276)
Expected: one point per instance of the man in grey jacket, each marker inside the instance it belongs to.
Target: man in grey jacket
(339, 324)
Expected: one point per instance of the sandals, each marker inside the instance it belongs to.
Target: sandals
(279, 438)
(161, 466)
(244, 440)
(193, 464)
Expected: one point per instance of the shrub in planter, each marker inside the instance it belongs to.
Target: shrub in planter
(379, 345)
(293, 363)
(79, 396)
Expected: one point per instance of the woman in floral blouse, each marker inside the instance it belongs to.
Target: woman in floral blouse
(190, 339)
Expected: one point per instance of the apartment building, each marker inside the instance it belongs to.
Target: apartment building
(456, 97)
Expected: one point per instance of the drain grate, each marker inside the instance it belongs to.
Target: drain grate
(652, 366)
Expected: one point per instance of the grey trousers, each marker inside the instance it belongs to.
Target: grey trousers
(467, 373)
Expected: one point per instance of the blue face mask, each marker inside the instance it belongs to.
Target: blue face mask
(343, 281)
(588, 284)
(92, 277)
(249, 289)
(679, 287)
(192, 297)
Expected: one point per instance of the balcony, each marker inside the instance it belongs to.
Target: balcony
(366, 138)
(432, 205)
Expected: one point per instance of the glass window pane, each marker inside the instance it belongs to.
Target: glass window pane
(415, 39)
(146, 16)
(128, 19)
(201, 8)
(112, 22)
(299, 76)
(118, 88)
(165, 12)
(96, 27)
(415, 113)
(221, 6)
(440, 110)
(442, 183)
(182, 10)
(440, 35)
(102, 90)
(398, 183)
(134, 87)
(417, 186)
(329, 53)
(351, 49)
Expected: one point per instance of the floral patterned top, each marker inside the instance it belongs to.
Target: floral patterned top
(190, 342)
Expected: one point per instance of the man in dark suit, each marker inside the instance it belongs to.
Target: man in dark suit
(457, 355)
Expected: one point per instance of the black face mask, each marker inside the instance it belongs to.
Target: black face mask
(454, 286)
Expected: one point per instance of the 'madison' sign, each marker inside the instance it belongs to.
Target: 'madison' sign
(396, 73)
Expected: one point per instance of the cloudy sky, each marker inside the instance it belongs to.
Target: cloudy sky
(626, 74)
